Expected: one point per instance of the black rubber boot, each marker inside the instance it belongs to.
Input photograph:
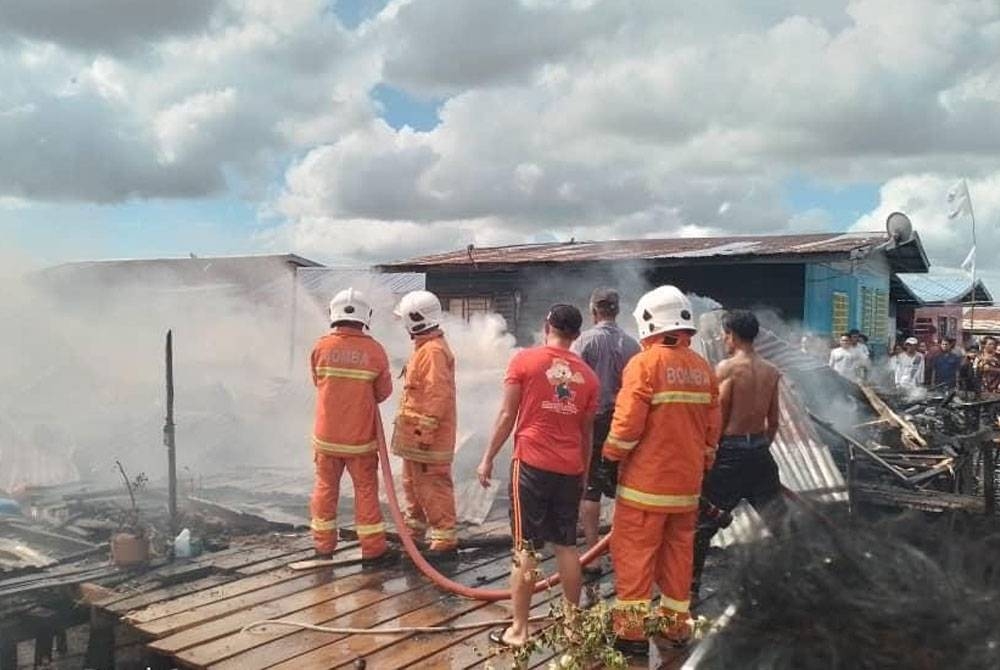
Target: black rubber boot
(387, 558)
(442, 557)
(632, 647)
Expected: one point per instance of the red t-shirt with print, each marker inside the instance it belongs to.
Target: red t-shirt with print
(557, 390)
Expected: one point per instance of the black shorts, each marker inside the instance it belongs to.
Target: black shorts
(602, 477)
(544, 507)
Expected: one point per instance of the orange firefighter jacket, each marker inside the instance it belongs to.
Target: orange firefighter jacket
(351, 373)
(425, 423)
(665, 429)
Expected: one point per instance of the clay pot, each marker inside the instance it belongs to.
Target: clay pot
(129, 549)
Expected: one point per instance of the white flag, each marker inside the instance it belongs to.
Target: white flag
(959, 201)
(969, 264)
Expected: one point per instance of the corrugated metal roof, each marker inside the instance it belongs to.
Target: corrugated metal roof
(942, 286)
(293, 259)
(757, 246)
(987, 320)
(246, 272)
(323, 283)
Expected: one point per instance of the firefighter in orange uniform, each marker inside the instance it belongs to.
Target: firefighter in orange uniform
(665, 429)
(351, 373)
(424, 435)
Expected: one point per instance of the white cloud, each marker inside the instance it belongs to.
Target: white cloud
(924, 198)
(185, 110)
(179, 127)
(103, 25)
(658, 117)
(562, 119)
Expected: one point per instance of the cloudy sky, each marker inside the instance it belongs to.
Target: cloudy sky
(365, 130)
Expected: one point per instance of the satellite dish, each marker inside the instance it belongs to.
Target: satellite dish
(899, 227)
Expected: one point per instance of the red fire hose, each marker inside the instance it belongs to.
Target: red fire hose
(488, 595)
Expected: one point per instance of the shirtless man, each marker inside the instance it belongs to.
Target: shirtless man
(744, 467)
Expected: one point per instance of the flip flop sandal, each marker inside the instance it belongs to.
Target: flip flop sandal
(496, 637)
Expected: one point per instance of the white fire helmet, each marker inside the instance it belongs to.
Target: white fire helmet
(663, 310)
(351, 305)
(420, 311)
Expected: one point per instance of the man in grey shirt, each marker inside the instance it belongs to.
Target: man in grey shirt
(606, 348)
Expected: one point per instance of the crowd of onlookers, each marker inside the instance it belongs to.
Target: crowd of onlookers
(914, 364)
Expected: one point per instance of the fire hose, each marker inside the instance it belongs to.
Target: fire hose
(486, 595)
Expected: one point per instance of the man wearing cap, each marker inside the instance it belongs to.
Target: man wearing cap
(908, 366)
(606, 348)
(551, 394)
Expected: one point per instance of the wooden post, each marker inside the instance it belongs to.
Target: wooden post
(168, 435)
(8, 650)
(101, 645)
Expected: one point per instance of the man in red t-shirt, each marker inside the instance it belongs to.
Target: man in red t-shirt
(552, 395)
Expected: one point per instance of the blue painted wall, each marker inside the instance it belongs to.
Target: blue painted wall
(822, 281)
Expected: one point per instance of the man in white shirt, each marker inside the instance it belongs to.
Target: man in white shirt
(908, 366)
(860, 343)
(847, 359)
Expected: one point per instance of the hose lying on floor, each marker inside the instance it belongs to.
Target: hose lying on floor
(487, 595)
(397, 630)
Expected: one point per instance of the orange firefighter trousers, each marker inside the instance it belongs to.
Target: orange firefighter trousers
(430, 502)
(648, 547)
(367, 514)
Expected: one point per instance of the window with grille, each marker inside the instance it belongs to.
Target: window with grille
(875, 313)
(841, 318)
(466, 306)
(881, 330)
(868, 311)
(504, 304)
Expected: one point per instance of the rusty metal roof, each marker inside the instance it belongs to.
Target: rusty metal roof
(844, 246)
(987, 319)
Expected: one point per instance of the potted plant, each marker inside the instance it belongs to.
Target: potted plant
(130, 544)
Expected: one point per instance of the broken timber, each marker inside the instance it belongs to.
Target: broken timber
(911, 438)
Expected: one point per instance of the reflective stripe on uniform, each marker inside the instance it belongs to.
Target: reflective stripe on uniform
(443, 535)
(323, 525)
(423, 419)
(620, 444)
(654, 499)
(423, 455)
(370, 529)
(674, 605)
(642, 605)
(341, 449)
(681, 397)
(346, 373)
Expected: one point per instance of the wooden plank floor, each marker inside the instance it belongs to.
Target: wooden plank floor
(199, 623)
